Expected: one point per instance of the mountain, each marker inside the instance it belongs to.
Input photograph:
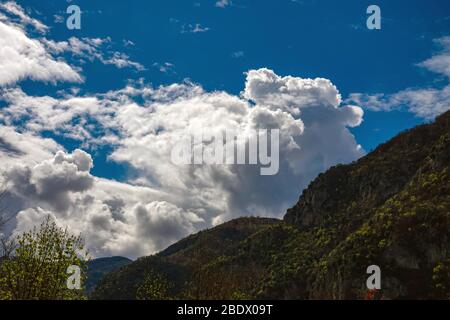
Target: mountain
(97, 268)
(390, 208)
(182, 260)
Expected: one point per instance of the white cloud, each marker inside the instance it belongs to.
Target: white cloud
(114, 218)
(237, 54)
(223, 3)
(22, 57)
(52, 181)
(122, 60)
(426, 103)
(25, 148)
(57, 115)
(165, 67)
(264, 87)
(57, 18)
(440, 63)
(16, 10)
(91, 49)
(164, 222)
(194, 28)
(169, 200)
(128, 43)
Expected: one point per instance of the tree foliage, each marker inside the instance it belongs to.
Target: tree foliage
(37, 270)
(154, 287)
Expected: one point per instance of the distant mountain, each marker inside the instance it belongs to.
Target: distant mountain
(97, 268)
(390, 208)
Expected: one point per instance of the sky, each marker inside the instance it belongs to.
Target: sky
(88, 117)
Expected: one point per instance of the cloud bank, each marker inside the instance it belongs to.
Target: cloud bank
(158, 202)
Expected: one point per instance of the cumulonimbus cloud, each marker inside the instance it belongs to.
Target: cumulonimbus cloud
(173, 200)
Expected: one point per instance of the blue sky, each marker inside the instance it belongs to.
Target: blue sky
(309, 38)
(71, 93)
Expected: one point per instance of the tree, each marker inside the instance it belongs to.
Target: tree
(154, 287)
(37, 270)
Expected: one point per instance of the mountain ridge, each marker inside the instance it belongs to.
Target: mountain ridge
(390, 208)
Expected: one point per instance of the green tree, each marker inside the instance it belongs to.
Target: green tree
(37, 270)
(154, 287)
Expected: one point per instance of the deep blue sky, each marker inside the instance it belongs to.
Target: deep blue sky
(308, 38)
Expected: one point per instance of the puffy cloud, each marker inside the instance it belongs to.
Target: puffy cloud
(28, 218)
(426, 103)
(264, 87)
(82, 161)
(113, 217)
(52, 181)
(161, 201)
(150, 133)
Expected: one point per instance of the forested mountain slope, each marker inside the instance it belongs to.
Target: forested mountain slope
(390, 208)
